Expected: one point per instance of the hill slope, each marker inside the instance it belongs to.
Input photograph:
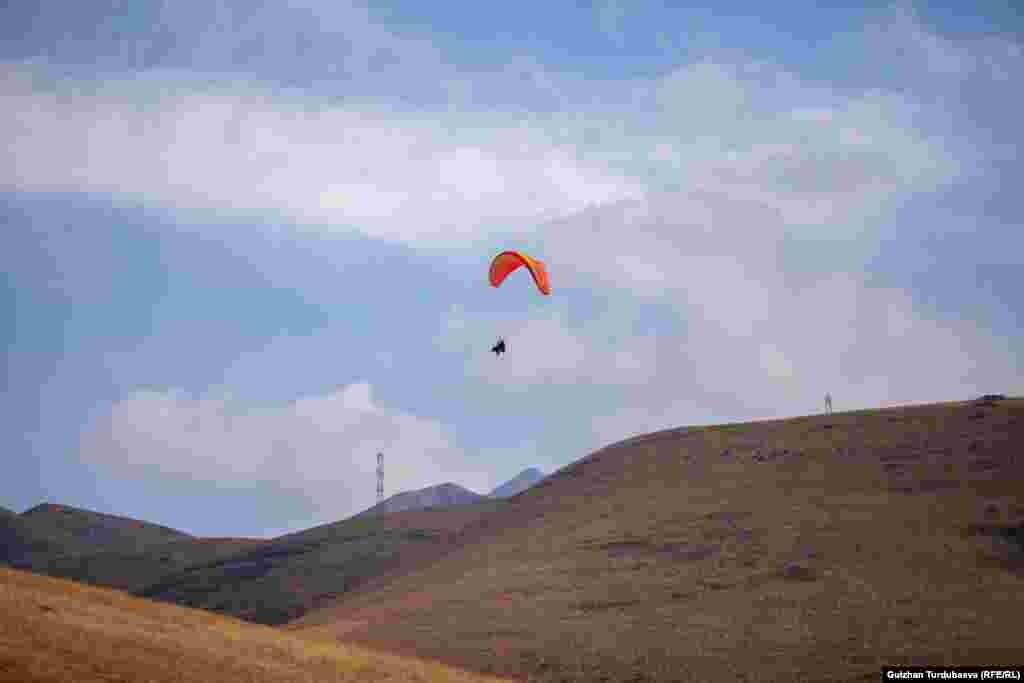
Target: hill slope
(55, 631)
(100, 530)
(101, 549)
(24, 542)
(815, 548)
(442, 495)
(134, 571)
(518, 483)
(281, 579)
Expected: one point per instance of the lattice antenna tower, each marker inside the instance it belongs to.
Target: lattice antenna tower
(380, 477)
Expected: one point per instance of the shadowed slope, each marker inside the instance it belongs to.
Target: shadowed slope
(101, 549)
(55, 631)
(281, 579)
(24, 542)
(102, 531)
(134, 571)
(814, 548)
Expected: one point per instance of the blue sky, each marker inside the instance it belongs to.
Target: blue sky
(245, 246)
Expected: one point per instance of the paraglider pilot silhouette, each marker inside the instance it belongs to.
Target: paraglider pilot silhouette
(503, 264)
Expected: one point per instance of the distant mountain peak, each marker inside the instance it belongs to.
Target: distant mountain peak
(518, 483)
(440, 495)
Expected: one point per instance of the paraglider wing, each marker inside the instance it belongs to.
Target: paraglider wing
(507, 261)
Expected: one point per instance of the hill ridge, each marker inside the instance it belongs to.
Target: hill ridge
(48, 510)
(517, 484)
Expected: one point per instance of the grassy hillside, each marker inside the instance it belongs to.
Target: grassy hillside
(267, 582)
(816, 548)
(102, 549)
(134, 571)
(55, 631)
(273, 582)
(24, 542)
(102, 531)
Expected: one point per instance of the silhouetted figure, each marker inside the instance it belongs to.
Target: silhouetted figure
(499, 348)
(828, 403)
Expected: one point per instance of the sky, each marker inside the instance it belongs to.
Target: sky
(245, 246)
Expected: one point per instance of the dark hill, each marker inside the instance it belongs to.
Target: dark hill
(101, 549)
(134, 571)
(102, 531)
(264, 581)
(281, 579)
(518, 483)
(24, 542)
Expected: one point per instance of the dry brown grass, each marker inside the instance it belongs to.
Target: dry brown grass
(812, 549)
(53, 630)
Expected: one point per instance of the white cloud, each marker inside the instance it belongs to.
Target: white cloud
(392, 175)
(322, 446)
(759, 344)
(646, 416)
(765, 158)
(680, 190)
(443, 176)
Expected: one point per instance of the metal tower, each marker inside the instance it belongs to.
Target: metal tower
(380, 477)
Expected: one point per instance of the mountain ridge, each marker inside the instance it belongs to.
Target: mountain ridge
(517, 484)
(440, 495)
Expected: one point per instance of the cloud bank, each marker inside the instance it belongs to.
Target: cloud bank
(322, 447)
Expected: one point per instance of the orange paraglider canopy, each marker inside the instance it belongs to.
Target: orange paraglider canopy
(507, 261)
